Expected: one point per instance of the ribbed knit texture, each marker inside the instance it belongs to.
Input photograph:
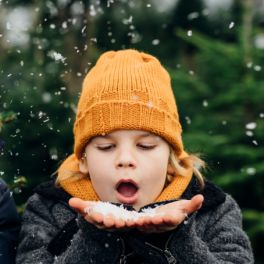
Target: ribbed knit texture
(126, 89)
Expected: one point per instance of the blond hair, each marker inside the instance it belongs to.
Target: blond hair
(180, 167)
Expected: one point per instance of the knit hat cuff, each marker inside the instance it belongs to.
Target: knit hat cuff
(107, 116)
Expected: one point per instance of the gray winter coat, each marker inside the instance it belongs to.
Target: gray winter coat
(9, 225)
(53, 233)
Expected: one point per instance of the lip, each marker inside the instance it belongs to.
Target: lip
(123, 199)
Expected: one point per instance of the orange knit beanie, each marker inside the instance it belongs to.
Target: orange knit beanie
(126, 89)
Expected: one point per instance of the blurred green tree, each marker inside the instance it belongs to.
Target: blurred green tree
(222, 108)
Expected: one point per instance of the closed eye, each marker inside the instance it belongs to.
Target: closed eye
(142, 146)
(105, 147)
(146, 147)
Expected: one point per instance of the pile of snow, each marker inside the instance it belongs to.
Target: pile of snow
(106, 208)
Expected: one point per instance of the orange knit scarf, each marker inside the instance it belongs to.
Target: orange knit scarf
(83, 188)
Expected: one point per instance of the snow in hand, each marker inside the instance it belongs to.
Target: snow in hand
(106, 208)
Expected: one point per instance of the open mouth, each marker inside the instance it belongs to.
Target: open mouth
(127, 191)
(127, 188)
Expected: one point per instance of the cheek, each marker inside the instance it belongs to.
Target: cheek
(157, 170)
(101, 181)
(99, 169)
(96, 161)
(159, 162)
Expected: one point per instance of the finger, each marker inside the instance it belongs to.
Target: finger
(119, 223)
(147, 220)
(109, 221)
(144, 220)
(173, 220)
(157, 220)
(93, 218)
(95, 223)
(167, 220)
(164, 228)
(79, 204)
(130, 223)
(140, 221)
(99, 226)
(194, 204)
(97, 217)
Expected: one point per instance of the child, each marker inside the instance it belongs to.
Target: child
(128, 151)
(9, 225)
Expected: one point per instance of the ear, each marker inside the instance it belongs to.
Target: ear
(83, 165)
(170, 170)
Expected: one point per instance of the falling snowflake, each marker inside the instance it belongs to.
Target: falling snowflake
(193, 15)
(109, 2)
(251, 171)
(257, 68)
(249, 133)
(255, 142)
(189, 33)
(128, 21)
(56, 56)
(92, 10)
(231, 25)
(46, 97)
(8, 26)
(155, 42)
(83, 29)
(64, 25)
(249, 64)
(188, 120)
(205, 103)
(251, 126)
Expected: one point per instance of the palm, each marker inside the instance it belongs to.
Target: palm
(168, 216)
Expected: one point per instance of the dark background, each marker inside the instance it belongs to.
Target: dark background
(214, 51)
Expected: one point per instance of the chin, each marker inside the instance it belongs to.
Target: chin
(137, 206)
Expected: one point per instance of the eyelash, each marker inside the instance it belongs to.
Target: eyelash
(144, 147)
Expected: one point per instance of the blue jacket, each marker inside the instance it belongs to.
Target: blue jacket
(9, 225)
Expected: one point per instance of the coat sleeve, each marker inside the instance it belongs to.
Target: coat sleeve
(39, 227)
(92, 245)
(9, 226)
(224, 240)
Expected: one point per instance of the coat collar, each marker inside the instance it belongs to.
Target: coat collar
(213, 195)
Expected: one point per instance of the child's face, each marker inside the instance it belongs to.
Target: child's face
(127, 166)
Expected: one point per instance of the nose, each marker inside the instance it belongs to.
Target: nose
(125, 159)
(125, 164)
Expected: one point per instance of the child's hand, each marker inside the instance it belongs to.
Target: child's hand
(109, 222)
(167, 216)
(170, 215)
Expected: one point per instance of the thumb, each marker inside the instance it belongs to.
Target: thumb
(195, 204)
(78, 204)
